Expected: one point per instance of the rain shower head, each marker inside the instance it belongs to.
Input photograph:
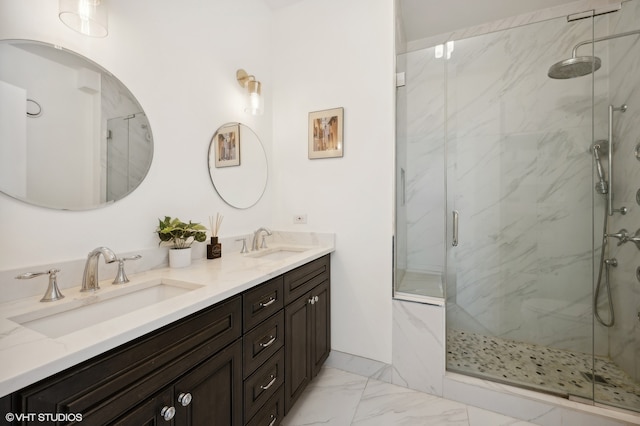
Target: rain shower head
(577, 66)
(574, 67)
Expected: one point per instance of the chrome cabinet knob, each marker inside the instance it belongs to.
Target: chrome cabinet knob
(168, 413)
(185, 399)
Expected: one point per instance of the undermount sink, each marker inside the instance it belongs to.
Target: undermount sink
(68, 316)
(277, 253)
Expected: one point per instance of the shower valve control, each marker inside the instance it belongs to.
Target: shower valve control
(622, 236)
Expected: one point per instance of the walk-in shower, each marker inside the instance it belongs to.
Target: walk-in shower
(537, 166)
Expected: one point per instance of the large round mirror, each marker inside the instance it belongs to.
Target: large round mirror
(72, 136)
(238, 165)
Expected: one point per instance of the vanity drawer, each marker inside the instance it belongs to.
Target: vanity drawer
(263, 383)
(261, 302)
(302, 279)
(262, 342)
(272, 411)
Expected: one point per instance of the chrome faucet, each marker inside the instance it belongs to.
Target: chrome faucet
(256, 236)
(90, 277)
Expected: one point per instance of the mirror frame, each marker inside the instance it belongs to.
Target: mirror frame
(222, 188)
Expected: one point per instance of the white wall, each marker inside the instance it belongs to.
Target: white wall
(179, 59)
(327, 54)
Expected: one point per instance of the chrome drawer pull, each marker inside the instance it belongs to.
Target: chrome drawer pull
(167, 413)
(269, 303)
(273, 422)
(273, 380)
(269, 343)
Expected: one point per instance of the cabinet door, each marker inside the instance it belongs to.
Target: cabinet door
(149, 413)
(215, 390)
(297, 346)
(321, 326)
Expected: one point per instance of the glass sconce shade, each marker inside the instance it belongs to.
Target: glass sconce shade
(88, 17)
(254, 92)
(255, 105)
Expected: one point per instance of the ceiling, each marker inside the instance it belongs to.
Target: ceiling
(426, 18)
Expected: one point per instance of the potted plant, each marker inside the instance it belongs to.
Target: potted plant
(181, 235)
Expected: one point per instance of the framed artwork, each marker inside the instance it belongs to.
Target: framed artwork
(325, 133)
(227, 143)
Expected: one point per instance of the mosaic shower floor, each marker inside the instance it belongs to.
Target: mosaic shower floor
(538, 367)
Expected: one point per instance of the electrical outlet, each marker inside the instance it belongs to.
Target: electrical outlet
(300, 218)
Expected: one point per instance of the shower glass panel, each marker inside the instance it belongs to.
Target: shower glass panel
(129, 152)
(519, 173)
(420, 188)
(618, 82)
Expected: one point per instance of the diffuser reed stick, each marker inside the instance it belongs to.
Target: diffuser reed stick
(215, 224)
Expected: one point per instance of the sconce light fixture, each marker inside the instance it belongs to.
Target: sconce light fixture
(88, 17)
(254, 89)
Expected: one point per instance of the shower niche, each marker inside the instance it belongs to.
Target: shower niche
(536, 296)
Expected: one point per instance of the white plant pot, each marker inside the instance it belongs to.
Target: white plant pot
(179, 258)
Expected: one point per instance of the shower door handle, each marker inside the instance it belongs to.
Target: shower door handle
(456, 216)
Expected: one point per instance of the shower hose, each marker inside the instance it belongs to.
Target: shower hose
(604, 264)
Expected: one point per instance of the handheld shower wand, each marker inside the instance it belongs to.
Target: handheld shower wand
(601, 187)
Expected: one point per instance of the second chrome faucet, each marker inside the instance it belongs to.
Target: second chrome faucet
(256, 237)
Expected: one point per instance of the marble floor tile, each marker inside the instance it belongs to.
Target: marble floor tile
(480, 417)
(339, 398)
(330, 399)
(383, 404)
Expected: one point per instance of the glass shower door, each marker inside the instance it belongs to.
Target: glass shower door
(519, 175)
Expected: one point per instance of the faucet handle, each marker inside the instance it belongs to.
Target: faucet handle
(622, 236)
(244, 245)
(121, 277)
(264, 242)
(53, 292)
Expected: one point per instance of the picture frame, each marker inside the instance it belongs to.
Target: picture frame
(227, 144)
(326, 129)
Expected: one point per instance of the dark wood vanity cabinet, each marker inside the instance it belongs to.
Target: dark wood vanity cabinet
(208, 395)
(307, 326)
(200, 354)
(243, 361)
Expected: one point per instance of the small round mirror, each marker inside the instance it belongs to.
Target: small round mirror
(238, 165)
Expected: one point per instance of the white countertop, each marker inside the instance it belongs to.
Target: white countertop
(26, 356)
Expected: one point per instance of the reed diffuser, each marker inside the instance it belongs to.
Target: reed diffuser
(214, 250)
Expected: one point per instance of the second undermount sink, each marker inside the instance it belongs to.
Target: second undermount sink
(66, 317)
(277, 253)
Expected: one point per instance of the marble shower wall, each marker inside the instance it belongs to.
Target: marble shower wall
(624, 336)
(127, 153)
(521, 173)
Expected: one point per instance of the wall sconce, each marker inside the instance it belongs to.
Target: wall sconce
(254, 89)
(88, 17)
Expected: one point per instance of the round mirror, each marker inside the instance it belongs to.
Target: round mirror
(72, 136)
(238, 165)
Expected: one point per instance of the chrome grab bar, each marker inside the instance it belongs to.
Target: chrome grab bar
(456, 217)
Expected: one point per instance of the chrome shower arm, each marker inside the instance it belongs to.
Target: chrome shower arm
(604, 38)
